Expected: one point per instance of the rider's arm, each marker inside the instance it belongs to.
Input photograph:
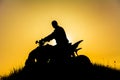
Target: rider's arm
(49, 37)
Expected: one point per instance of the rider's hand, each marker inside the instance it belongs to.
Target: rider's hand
(41, 41)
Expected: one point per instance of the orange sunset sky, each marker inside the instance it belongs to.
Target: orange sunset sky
(22, 22)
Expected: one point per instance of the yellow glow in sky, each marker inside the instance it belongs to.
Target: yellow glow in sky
(24, 22)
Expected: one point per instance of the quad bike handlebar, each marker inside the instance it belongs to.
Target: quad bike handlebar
(40, 42)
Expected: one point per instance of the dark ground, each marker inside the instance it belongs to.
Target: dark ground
(69, 71)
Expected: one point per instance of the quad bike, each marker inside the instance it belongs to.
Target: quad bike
(48, 54)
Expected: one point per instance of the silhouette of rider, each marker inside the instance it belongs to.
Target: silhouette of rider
(61, 40)
(58, 34)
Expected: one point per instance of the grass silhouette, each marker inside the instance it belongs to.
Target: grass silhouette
(38, 72)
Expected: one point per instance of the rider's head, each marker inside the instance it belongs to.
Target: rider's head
(54, 23)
